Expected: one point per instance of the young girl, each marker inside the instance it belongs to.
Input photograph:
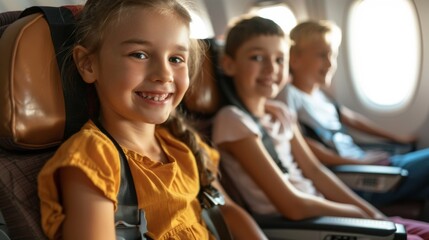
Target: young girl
(138, 55)
(262, 148)
(313, 64)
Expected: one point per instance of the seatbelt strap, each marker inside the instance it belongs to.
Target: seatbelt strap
(127, 215)
(215, 215)
(227, 86)
(211, 200)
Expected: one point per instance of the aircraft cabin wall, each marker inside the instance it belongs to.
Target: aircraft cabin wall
(413, 119)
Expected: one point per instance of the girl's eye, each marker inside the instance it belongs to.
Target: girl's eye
(257, 58)
(176, 60)
(139, 55)
(280, 60)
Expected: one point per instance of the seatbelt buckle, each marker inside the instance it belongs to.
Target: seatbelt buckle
(210, 197)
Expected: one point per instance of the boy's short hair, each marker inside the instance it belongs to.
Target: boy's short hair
(247, 28)
(310, 30)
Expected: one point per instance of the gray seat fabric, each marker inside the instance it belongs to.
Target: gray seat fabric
(7, 18)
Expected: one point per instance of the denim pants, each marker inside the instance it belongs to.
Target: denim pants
(414, 187)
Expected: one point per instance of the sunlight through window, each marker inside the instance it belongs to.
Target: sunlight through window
(199, 29)
(384, 52)
(279, 13)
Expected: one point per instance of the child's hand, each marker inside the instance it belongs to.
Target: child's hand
(406, 139)
(372, 157)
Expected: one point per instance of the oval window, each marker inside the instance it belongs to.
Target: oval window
(384, 52)
(279, 13)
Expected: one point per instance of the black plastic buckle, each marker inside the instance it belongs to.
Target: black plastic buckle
(210, 197)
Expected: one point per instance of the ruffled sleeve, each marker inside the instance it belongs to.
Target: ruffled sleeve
(91, 152)
(232, 124)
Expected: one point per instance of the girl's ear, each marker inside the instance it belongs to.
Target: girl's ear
(84, 64)
(228, 65)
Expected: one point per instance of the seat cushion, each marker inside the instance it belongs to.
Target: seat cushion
(19, 201)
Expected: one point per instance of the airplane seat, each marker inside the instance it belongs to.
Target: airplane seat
(201, 103)
(39, 110)
(32, 119)
(200, 109)
(390, 147)
(413, 209)
(202, 100)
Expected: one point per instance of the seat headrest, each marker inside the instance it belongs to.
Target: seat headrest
(204, 97)
(31, 96)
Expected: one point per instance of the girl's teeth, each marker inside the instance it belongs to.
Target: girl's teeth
(155, 98)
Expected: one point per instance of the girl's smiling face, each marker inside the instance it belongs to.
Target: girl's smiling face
(260, 67)
(141, 71)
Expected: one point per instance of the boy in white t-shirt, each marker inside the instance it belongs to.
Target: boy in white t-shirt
(313, 62)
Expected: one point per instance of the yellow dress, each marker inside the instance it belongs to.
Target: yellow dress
(167, 192)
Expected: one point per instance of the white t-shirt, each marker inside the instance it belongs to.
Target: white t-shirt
(233, 124)
(318, 112)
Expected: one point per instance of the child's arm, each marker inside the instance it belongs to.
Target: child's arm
(331, 158)
(290, 202)
(324, 180)
(89, 215)
(239, 222)
(362, 123)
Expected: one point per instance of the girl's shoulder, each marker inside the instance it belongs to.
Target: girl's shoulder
(234, 117)
(89, 147)
(90, 151)
(231, 112)
(231, 124)
(89, 135)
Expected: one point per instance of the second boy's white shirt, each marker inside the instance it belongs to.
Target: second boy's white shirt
(232, 124)
(319, 113)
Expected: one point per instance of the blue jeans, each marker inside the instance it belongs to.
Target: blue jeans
(415, 186)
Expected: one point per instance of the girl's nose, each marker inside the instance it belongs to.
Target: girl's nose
(161, 71)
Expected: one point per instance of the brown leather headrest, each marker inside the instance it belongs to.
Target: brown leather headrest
(204, 97)
(31, 99)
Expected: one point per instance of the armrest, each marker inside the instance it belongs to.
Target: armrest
(3, 228)
(370, 178)
(3, 235)
(277, 227)
(393, 148)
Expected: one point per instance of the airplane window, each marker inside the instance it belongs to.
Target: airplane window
(384, 52)
(279, 13)
(199, 29)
